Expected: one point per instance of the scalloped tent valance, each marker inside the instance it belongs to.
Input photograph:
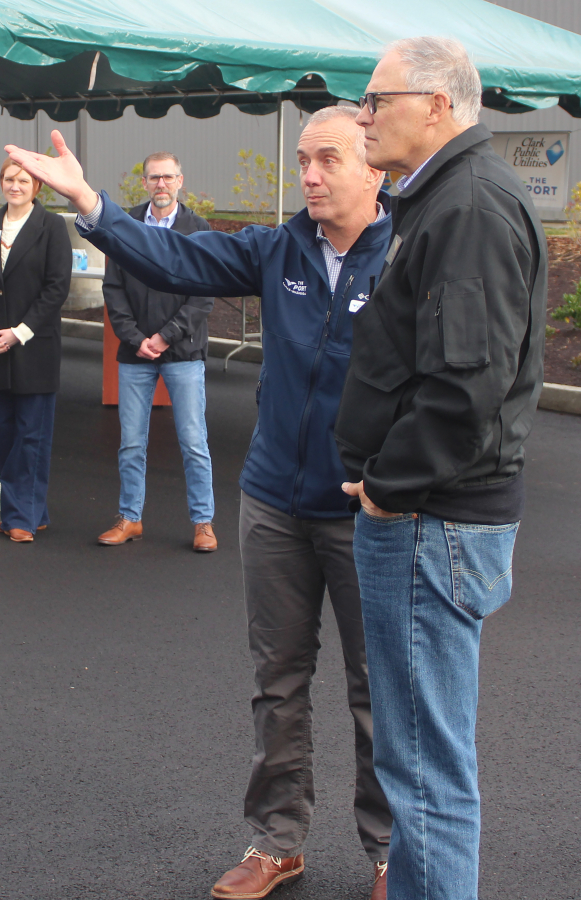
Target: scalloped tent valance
(61, 56)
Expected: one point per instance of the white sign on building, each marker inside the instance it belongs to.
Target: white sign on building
(541, 161)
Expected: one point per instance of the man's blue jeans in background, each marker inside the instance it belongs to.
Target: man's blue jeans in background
(186, 388)
(425, 586)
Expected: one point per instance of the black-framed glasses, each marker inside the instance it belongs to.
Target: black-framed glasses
(155, 179)
(369, 99)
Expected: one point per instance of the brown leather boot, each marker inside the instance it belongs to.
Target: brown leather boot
(18, 535)
(204, 538)
(257, 875)
(379, 891)
(122, 531)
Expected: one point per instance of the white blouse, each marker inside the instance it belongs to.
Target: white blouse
(8, 235)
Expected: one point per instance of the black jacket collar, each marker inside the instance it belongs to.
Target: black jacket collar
(26, 237)
(469, 138)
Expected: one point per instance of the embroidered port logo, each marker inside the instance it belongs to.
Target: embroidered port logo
(356, 305)
(299, 288)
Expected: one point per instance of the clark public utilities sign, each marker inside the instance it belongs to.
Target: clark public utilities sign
(541, 161)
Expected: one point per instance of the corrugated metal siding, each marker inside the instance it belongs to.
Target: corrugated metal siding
(562, 13)
(207, 148)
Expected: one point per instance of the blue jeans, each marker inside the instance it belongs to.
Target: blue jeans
(185, 384)
(26, 427)
(425, 586)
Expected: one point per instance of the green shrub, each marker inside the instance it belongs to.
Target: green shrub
(255, 187)
(550, 331)
(131, 189)
(573, 213)
(570, 311)
(46, 195)
(203, 207)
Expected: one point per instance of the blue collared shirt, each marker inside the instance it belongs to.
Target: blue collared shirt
(164, 222)
(333, 259)
(406, 180)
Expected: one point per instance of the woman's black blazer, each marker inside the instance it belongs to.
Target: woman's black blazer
(33, 287)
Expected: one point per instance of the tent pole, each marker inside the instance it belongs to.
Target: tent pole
(279, 159)
(81, 138)
(81, 148)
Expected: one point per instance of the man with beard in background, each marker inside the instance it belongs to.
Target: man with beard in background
(161, 334)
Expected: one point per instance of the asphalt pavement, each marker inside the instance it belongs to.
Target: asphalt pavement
(125, 679)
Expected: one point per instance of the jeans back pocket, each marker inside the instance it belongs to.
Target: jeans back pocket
(481, 562)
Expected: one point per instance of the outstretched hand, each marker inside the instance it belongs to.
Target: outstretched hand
(63, 173)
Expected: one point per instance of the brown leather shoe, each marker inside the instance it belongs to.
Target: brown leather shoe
(257, 875)
(204, 538)
(122, 531)
(19, 535)
(379, 891)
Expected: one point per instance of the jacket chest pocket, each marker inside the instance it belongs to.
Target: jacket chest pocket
(374, 358)
(453, 327)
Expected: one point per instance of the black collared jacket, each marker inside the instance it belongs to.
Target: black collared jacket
(447, 361)
(137, 311)
(33, 287)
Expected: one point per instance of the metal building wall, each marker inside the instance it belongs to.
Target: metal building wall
(562, 13)
(207, 148)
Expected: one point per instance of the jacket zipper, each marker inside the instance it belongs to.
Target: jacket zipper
(312, 381)
(341, 315)
(439, 320)
(307, 413)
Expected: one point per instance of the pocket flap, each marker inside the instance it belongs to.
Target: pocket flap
(375, 360)
(464, 324)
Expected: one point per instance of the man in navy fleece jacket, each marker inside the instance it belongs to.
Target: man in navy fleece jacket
(313, 274)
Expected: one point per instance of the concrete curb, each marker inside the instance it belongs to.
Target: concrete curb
(220, 347)
(562, 398)
(78, 328)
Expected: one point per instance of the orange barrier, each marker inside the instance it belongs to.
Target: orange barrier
(110, 370)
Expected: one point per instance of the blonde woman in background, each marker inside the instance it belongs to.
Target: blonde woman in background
(34, 284)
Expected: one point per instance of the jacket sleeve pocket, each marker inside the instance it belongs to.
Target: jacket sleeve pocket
(463, 322)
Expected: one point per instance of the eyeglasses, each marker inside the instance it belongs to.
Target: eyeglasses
(369, 99)
(155, 179)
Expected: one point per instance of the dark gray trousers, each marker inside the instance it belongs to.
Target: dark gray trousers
(287, 563)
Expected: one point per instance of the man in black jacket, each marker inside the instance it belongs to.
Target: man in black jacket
(161, 334)
(445, 375)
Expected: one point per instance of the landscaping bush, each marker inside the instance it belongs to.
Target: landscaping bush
(255, 188)
(570, 311)
(131, 189)
(46, 195)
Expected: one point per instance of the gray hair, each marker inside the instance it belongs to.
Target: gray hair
(442, 64)
(162, 154)
(342, 112)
